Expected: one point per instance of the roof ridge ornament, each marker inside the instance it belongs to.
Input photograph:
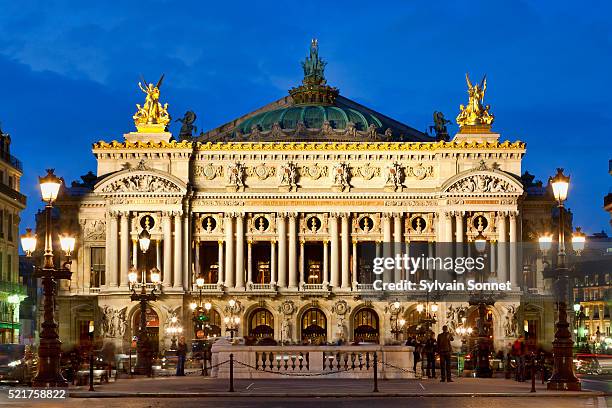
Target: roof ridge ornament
(475, 117)
(314, 88)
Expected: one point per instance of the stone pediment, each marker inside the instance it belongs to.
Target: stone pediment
(141, 180)
(483, 181)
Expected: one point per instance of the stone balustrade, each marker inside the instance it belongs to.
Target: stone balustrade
(312, 361)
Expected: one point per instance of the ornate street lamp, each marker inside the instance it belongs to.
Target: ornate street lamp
(563, 378)
(13, 301)
(200, 309)
(232, 321)
(397, 322)
(143, 345)
(49, 350)
(173, 329)
(483, 369)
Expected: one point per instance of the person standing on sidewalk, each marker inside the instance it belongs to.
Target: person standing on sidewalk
(416, 353)
(181, 353)
(444, 350)
(429, 350)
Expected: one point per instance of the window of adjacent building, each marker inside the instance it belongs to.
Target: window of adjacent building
(9, 267)
(11, 182)
(10, 227)
(98, 264)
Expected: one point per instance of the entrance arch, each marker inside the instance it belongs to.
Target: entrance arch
(261, 324)
(366, 326)
(314, 326)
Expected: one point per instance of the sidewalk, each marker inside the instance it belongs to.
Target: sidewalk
(196, 386)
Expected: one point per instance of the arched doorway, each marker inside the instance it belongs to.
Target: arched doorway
(261, 324)
(314, 326)
(152, 327)
(211, 327)
(365, 326)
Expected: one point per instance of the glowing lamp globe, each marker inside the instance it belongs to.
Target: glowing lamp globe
(155, 276)
(193, 306)
(576, 307)
(480, 242)
(560, 185)
(200, 282)
(13, 299)
(49, 186)
(545, 242)
(578, 240)
(67, 243)
(420, 307)
(28, 242)
(207, 306)
(144, 239)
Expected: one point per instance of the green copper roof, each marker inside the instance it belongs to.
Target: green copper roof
(313, 117)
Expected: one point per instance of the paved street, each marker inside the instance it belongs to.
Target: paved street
(244, 402)
(167, 392)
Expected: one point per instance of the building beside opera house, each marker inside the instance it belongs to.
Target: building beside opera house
(276, 210)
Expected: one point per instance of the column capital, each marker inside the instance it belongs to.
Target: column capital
(113, 213)
(345, 215)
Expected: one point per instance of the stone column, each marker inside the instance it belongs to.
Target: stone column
(334, 250)
(220, 264)
(448, 228)
(514, 271)
(158, 262)
(354, 265)
(459, 233)
(135, 253)
(430, 254)
(273, 263)
(178, 250)
(229, 250)
(397, 242)
(125, 247)
(112, 249)
(167, 231)
(387, 243)
(197, 258)
(240, 251)
(301, 265)
(502, 259)
(292, 252)
(249, 263)
(325, 263)
(187, 269)
(282, 250)
(345, 252)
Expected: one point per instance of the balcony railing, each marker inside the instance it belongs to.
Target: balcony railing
(261, 287)
(12, 160)
(14, 194)
(206, 288)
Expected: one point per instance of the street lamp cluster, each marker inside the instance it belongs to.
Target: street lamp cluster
(49, 350)
(232, 321)
(200, 310)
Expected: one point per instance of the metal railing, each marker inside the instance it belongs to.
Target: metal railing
(12, 160)
(14, 194)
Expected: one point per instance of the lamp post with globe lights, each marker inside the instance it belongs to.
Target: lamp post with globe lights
(173, 330)
(13, 301)
(397, 322)
(232, 321)
(200, 309)
(49, 350)
(143, 345)
(563, 378)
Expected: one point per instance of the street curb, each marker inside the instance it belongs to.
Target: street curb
(102, 394)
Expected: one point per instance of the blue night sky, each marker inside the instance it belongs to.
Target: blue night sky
(69, 73)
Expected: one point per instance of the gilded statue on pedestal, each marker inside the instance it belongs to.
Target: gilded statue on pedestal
(153, 116)
(475, 113)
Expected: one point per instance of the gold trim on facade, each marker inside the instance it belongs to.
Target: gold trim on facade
(330, 146)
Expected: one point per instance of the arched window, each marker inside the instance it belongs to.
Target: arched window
(365, 326)
(261, 324)
(314, 326)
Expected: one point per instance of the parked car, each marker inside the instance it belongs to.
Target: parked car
(17, 364)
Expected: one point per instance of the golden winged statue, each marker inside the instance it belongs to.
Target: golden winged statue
(153, 116)
(475, 113)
